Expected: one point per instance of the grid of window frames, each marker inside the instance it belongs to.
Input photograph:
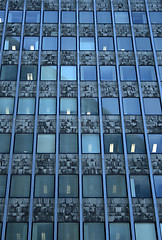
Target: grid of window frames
(80, 110)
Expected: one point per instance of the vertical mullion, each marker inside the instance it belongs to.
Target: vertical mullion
(101, 126)
(145, 127)
(123, 128)
(13, 126)
(35, 127)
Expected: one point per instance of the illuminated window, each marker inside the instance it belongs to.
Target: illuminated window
(89, 106)
(12, 43)
(31, 43)
(6, 105)
(105, 43)
(28, 72)
(135, 143)
(90, 143)
(116, 186)
(26, 105)
(42, 231)
(68, 106)
(68, 186)
(113, 143)
(155, 143)
(44, 186)
(16, 231)
(119, 231)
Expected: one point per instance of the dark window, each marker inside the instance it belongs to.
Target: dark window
(43, 231)
(2, 15)
(89, 106)
(94, 231)
(124, 43)
(105, 43)
(23, 143)
(113, 143)
(68, 73)
(158, 43)
(147, 73)
(20, 186)
(68, 43)
(158, 185)
(68, 186)
(5, 143)
(67, 231)
(145, 231)
(50, 17)
(12, 43)
(9, 73)
(92, 186)
(155, 143)
(139, 17)
(121, 17)
(152, 106)
(87, 43)
(103, 17)
(28, 72)
(156, 17)
(46, 143)
(6, 105)
(143, 44)
(108, 73)
(48, 73)
(86, 17)
(68, 143)
(68, 106)
(135, 143)
(128, 73)
(140, 186)
(3, 180)
(88, 73)
(68, 17)
(160, 72)
(32, 16)
(119, 231)
(110, 106)
(31, 43)
(26, 105)
(49, 43)
(44, 186)
(15, 16)
(131, 106)
(16, 231)
(116, 186)
(47, 106)
(90, 143)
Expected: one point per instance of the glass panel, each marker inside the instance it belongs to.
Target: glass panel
(12, 43)
(152, 105)
(113, 143)
(6, 105)
(31, 43)
(42, 231)
(23, 143)
(94, 231)
(90, 143)
(156, 17)
(121, 17)
(67, 231)
(86, 17)
(131, 106)
(110, 106)
(68, 143)
(2, 15)
(9, 72)
(88, 73)
(158, 43)
(87, 43)
(68, 73)
(46, 143)
(28, 72)
(135, 143)
(16, 230)
(140, 186)
(44, 186)
(15, 16)
(124, 43)
(32, 16)
(20, 186)
(48, 72)
(116, 186)
(155, 142)
(47, 106)
(3, 180)
(89, 106)
(128, 73)
(68, 186)
(68, 17)
(108, 73)
(160, 72)
(50, 17)
(68, 106)
(119, 231)
(147, 73)
(105, 43)
(139, 17)
(158, 185)
(49, 43)
(145, 231)
(68, 43)
(92, 186)
(103, 17)
(5, 143)
(26, 106)
(143, 44)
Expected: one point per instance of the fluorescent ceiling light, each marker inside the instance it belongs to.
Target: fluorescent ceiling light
(133, 148)
(154, 148)
(111, 149)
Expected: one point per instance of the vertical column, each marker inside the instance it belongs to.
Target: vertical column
(101, 126)
(145, 128)
(123, 128)
(14, 121)
(35, 128)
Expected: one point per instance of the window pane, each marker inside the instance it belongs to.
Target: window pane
(68, 186)
(156, 17)
(86, 17)
(158, 185)
(9, 72)
(155, 142)
(160, 72)
(110, 106)
(12, 43)
(3, 180)
(68, 43)
(147, 73)
(139, 17)
(43, 231)
(46, 143)
(108, 73)
(87, 43)
(5, 143)
(88, 73)
(31, 43)
(47, 106)
(68, 231)
(158, 43)
(68, 106)
(68, 143)
(68, 73)
(121, 230)
(140, 186)
(128, 73)
(20, 186)
(94, 231)
(2, 15)
(105, 43)
(92, 186)
(6, 105)
(16, 229)
(90, 143)
(121, 17)
(28, 72)
(124, 43)
(89, 106)
(152, 105)
(32, 16)
(44, 186)
(116, 186)
(49, 43)
(113, 143)
(23, 143)
(103, 17)
(48, 72)
(26, 106)
(143, 44)
(135, 143)
(15, 16)
(68, 17)
(145, 231)
(131, 106)
(50, 17)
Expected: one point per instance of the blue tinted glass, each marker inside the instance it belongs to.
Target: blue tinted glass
(68, 143)
(86, 17)
(139, 17)
(68, 73)
(6, 105)
(28, 72)
(121, 17)
(113, 143)
(12, 43)
(46, 143)
(94, 231)
(110, 106)
(135, 143)
(140, 186)
(31, 43)
(16, 229)
(15, 16)
(32, 16)
(158, 43)
(124, 43)
(68, 17)
(120, 229)
(108, 73)
(88, 73)
(68, 106)
(50, 17)
(26, 106)
(143, 44)
(92, 186)
(68, 231)
(89, 106)
(128, 73)
(156, 17)
(3, 179)
(49, 43)
(23, 143)
(2, 14)
(147, 73)
(5, 143)
(105, 43)
(145, 231)
(152, 105)
(90, 143)
(116, 186)
(68, 186)
(20, 186)
(87, 43)
(43, 231)
(47, 106)
(68, 43)
(48, 73)
(160, 72)
(44, 186)
(155, 143)
(9, 72)
(131, 106)
(103, 17)
(158, 185)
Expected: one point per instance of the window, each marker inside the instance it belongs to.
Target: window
(110, 106)
(48, 72)
(94, 231)
(68, 17)
(158, 185)
(113, 143)
(131, 106)
(128, 73)
(2, 15)
(32, 16)
(108, 73)
(121, 17)
(140, 186)
(103, 17)
(143, 44)
(155, 143)
(105, 43)
(46, 143)
(139, 17)
(152, 106)
(15, 16)
(9, 73)
(68, 43)
(124, 43)
(47, 106)
(147, 73)
(158, 43)
(89, 106)
(6, 105)
(68, 73)
(42, 231)
(116, 186)
(0, 228)
(16, 230)
(88, 73)
(31, 43)
(119, 231)
(68, 106)
(87, 43)
(68, 143)
(28, 72)
(12, 43)
(92, 186)
(68, 231)
(160, 72)
(23, 143)
(49, 43)
(5, 143)
(20, 186)
(3, 180)
(135, 143)
(145, 231)
(44, 186)
(50, 17)
(26, 105)
(90, 143)
(68, 186)
(156, 17)
(86, 17)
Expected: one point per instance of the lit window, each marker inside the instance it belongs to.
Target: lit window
(116, 186)
(68, 73)
(87, 43)
(12, 43)
(23, 143)
(17, 231)
(113, 143)
(26, 105)
(140, 186)
(108, 73)
(89, 106)
(135, 143)
(152, 106)
(68, 186)
(92, 186)
(6, 105)
(31, 43)
(46, 143)
(121, 17)
(47, 106)
(68, 106)
(155, 143)
(28, 72)
(68, 143)
(44, 186)
(20, 186)
(90, 143)
(94, 231)
(105, 43)
(48, 73)
(67, 231)
(42, 231)
(119, 231)
(86, 17)
(145, 231)
(49, 43)
(5, 143)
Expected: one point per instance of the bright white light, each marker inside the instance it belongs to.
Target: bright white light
(104, 48)
(88, 113)
(13, 48)
(114, 188)
(29, 76)
(111, 150)
(31, 48)
(68, 111)
(89, 148)
(154, 148)
(7, 110)
(45, 189)
(133, 147)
